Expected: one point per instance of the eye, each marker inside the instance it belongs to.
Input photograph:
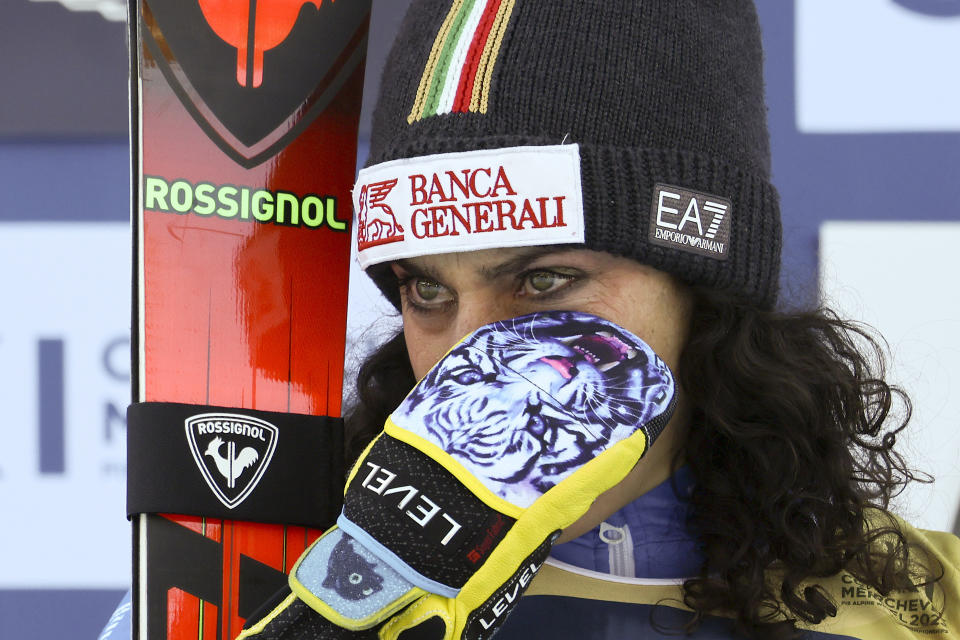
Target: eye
(423, 294)
(428, 290)
(536, 425)
(467, 375)
(355, 578)
(542, 282)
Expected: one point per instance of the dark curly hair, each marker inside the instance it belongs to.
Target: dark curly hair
(791, 445)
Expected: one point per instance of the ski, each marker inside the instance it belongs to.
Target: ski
(244, 117)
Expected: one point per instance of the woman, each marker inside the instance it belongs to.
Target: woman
(613, 158)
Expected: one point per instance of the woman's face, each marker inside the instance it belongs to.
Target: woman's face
(445, 297)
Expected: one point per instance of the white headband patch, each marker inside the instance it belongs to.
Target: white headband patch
(451, 202)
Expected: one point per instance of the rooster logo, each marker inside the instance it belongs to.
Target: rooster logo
(233, 465)
(271, 23)
(232, 452)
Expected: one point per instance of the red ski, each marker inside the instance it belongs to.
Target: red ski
(244, 128)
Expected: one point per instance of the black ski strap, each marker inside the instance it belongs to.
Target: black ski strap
(239, 464)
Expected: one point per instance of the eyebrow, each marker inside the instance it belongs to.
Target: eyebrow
(517, 263)
(418, 271)
(522, 260)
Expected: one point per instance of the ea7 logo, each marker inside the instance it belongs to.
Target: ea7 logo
(690, 221)
(232, 452)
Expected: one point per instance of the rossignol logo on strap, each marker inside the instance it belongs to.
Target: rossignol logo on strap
(513, 197)
(690, 221)
(458, 73)
(232, 452)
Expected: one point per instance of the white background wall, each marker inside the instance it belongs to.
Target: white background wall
(900, 278)
(875, 66)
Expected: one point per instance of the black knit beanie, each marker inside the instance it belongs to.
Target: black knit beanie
(642, 120)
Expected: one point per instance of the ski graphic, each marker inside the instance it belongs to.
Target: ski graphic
(243, 133)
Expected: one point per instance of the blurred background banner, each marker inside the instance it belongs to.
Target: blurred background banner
(65, 350)
(866, 145)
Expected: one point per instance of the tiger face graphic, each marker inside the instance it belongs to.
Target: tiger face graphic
(524, 402)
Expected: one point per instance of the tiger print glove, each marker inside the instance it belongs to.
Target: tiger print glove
(452, 510)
